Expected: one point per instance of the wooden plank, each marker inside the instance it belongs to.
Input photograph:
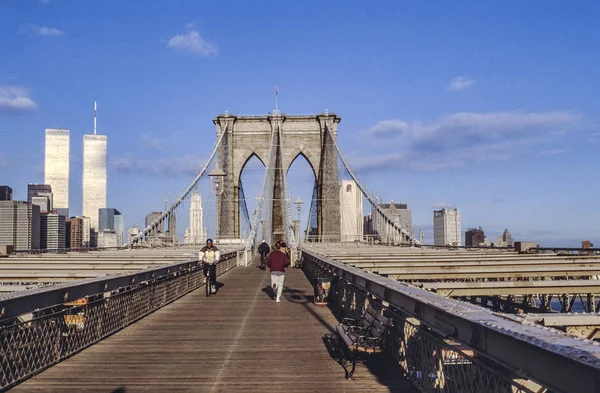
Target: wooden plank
(237, 340)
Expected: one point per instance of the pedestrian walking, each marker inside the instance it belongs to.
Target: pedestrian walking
(277, 261)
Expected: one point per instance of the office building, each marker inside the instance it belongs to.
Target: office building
(94, 176)
(86, 232)
(107, 239)
(53, 231)
(5, 193)
(56, 166)
(34, 189)
(150, 218)
(74, 232)
(120, 229)
(475, 237)
(195, 233)
(446, 227)
(508, 239)
(172, 228)
(112, 220)
(401, 217)
(351, 212)
(106, 220)
(43, 202)
(20, 225)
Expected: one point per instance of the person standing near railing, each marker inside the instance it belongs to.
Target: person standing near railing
(277, 262)
(263, 250)
(210, 255)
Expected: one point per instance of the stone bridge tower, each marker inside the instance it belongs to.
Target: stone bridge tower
(249, 136)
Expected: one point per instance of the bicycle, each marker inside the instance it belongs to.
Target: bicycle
(263, 261)
(208, 284)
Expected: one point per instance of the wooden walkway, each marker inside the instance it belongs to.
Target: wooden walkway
(239, 340)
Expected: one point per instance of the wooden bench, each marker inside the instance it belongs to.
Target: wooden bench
(362, 337)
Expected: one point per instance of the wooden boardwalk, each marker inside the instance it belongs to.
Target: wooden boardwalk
(239, 340)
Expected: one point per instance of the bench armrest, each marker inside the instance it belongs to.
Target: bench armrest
(349, 322)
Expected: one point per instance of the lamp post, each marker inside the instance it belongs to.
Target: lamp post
(217, 175)
(298, 202)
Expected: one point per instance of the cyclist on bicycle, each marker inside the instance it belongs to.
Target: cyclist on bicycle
(210, 255)
(263, 250)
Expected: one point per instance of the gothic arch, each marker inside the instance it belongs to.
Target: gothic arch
(242, 160)
(308, 156)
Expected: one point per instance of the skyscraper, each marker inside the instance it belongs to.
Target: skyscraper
(195, 233)
(474, 237)
(5, 193)
(20, 225)
(34, 190)
(53, 231)
(43, 202)
(86, 232)
(351, 212)
(507, 238)
(446, 227)
(112, 220)
(56, 166)
(75, 232)
(400, 215)
(150, 218)
(94, 176)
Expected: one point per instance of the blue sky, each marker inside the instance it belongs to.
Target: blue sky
(491, 107)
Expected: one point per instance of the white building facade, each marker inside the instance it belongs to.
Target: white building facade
(351, 212)
(53, 230)
(56, 165)
(446, 227)
(195, 234)
(94, 176)
(107, 239)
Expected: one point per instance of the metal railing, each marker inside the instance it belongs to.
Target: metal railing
(41, 327)
(444, 345)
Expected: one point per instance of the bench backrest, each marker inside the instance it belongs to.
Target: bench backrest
(374, 322)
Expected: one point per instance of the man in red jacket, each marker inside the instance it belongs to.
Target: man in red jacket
(277, 262)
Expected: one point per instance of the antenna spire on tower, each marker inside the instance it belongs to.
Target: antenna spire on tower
(94, 117)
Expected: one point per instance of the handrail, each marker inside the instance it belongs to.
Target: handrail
(18, 303)
(550, 357)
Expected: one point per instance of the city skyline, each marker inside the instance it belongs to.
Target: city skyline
(471, 120)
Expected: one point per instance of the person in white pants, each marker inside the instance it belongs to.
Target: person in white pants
(277, 261)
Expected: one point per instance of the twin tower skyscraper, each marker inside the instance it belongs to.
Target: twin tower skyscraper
(57, 171)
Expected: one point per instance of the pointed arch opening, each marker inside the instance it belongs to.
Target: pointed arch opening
(301, 178)
(250, 181)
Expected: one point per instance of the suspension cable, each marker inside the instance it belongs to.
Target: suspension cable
(258, 210)
(288, 225)
(367, 195)
(170, 210)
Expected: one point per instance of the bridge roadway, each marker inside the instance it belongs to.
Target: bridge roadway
(238, 340)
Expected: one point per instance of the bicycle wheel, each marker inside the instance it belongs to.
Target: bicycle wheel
(207, 285)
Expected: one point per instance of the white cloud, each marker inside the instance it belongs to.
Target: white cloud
(192, 42)
(460, 138)
(594, 138)
(35, 30)
(552, 152)
(443, 205)
(460, 83)
(186, 165)
(149, 140)
(15, 99)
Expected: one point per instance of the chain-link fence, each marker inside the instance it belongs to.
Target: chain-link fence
(40, 339)
(433, 363)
